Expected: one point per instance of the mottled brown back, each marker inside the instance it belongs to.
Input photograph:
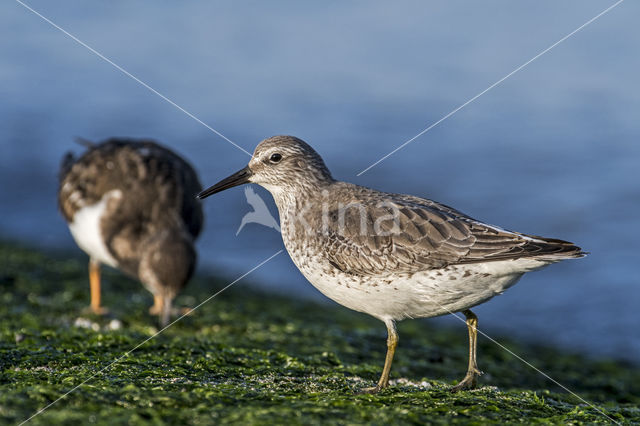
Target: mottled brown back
(151, 174)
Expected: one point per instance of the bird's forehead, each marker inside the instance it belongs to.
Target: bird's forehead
(262, 150)
(260, 153)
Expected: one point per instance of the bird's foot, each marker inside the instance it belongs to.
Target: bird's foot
(96, 310)
(155, 310)
(470, 381)
(369, 391)
(372, 390)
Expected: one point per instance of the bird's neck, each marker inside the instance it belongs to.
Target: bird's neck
(300, 209)
(298, 196)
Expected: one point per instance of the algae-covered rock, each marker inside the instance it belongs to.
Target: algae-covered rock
(247, 357)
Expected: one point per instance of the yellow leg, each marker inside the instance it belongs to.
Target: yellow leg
(94, 282)
(392, 343)
(471, 378)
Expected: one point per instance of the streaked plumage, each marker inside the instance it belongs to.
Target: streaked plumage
(391, 256)
(130, 204)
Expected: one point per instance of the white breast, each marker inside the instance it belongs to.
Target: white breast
(86, 230)
(424, 294)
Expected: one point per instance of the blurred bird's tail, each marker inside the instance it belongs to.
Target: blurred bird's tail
(84, 142)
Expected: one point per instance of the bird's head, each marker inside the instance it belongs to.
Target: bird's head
(280, 163)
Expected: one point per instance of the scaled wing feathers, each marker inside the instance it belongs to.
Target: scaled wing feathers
(405, 234)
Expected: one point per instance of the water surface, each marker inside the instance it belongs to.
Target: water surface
(551, 151)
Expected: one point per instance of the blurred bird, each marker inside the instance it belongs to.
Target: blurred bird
(130, 205)
(260, 214)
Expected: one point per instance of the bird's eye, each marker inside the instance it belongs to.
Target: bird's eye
(275, 158)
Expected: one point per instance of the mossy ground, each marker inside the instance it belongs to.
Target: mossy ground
(249, 357)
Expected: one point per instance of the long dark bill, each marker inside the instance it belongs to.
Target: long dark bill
(235, 179)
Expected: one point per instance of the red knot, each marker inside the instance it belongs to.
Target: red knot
(130, 205)
(391, 256)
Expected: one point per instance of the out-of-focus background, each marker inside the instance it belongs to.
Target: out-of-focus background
(554, 150)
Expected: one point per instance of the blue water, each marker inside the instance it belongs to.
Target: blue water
(554, 150)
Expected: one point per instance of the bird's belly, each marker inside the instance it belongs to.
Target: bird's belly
(420, 295)
(86, 231)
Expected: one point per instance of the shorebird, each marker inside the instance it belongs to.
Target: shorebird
(130, 205)
(391, 256)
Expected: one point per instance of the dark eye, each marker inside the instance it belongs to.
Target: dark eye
(275, 158)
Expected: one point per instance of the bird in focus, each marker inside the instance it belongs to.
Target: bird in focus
(130, 205)
(391, 256)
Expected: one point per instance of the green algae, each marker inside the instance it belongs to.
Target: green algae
(247, 357)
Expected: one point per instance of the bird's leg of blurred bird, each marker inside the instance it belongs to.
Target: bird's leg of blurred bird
(165, 311)
(158, 305)
(392, 343)
(156, 309)
(470, 379)
(162, 308)
(94, 282)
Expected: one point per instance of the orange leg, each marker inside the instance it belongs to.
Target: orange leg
(158, 302)
(94, 281)
(162, 308)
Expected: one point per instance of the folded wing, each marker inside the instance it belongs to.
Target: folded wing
(406, 234)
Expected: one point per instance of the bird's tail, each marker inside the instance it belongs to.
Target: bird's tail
(553, 249)
(84, 142)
